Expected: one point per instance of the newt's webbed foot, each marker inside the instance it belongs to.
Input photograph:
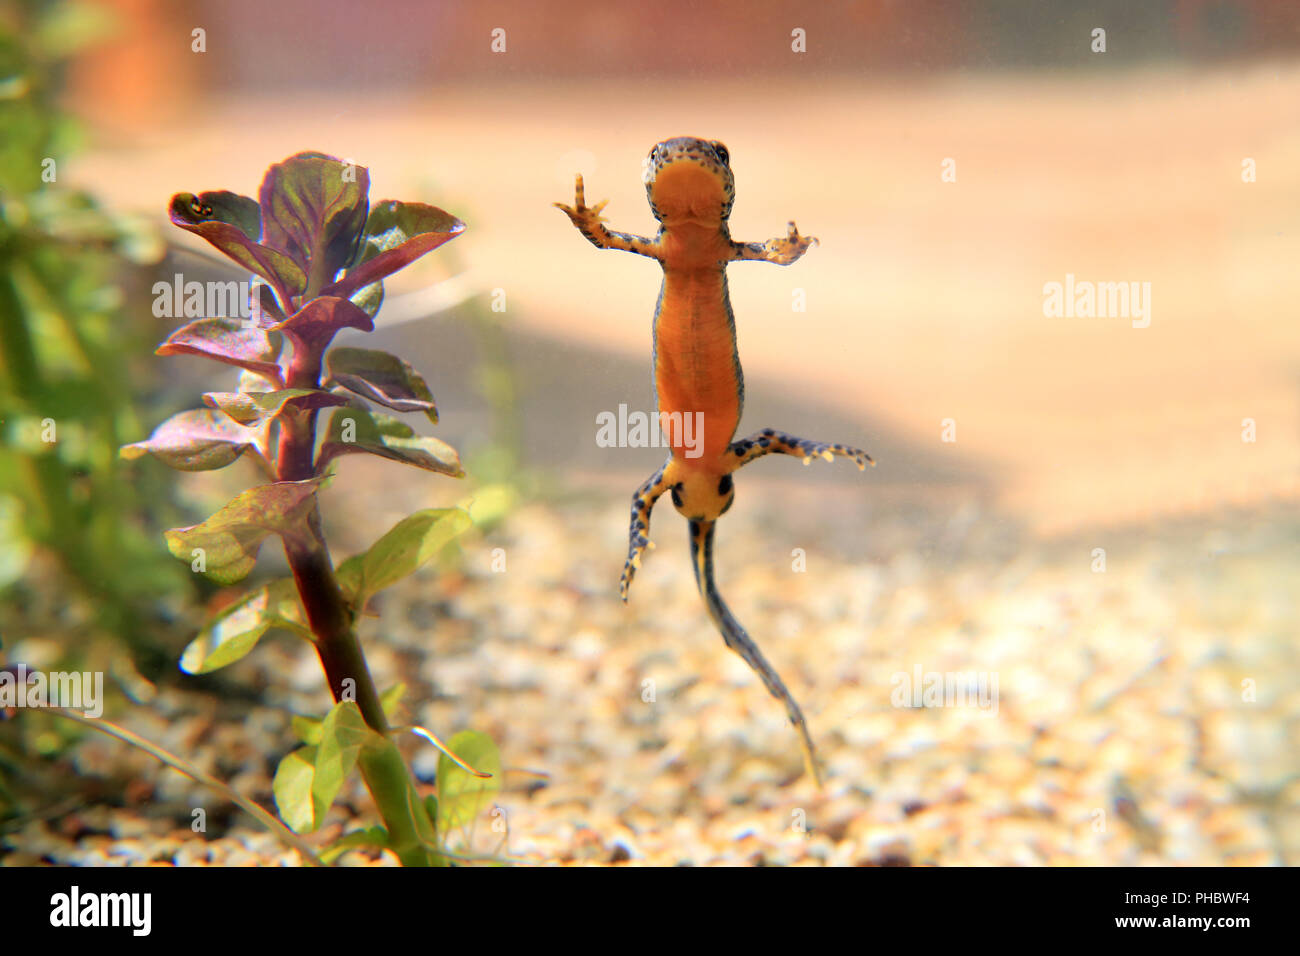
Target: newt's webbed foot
(783, 251)
(586, 218)
(643, 502)
(770, 441)
(592, 225)
(789, 248)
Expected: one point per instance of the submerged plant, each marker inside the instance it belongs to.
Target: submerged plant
(67, 400)
(320, 251)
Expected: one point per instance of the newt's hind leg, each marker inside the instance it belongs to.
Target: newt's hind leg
(643, 502)
(770, 441)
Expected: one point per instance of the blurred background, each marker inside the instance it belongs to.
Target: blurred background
(953, 158)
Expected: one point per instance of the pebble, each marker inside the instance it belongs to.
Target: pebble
(1121, 736)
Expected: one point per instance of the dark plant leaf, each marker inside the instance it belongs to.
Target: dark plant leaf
(228, 541)
(227, 340)
(226, 223)
(314, 209)
(271, 309)
(396, 235)
(352, 431)
(383, 378)
(198, 440)
(318, 321)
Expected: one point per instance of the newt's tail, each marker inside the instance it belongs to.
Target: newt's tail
(740, 642)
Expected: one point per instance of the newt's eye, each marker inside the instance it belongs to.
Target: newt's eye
(722, 154)
(195, 207)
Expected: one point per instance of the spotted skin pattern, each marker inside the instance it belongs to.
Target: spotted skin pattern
(691, 189)
(643, 502)
(772, 442)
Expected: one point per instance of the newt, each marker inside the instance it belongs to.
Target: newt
(691, 189)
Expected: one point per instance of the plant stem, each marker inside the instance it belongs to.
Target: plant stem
(331, 621)
(410, 830)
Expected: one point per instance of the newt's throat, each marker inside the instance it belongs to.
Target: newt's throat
(688, 192)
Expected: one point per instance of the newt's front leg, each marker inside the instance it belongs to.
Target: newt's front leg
(770, 441)
(782, 251)
(591, 224)
(643, 502)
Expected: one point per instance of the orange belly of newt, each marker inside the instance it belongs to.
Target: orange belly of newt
(696, 372)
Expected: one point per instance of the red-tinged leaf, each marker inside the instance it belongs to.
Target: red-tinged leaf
(353, 431)
(396, 235)
(230, 341)
(383, 378)
(252, 408)
(271, 310)
(318, 321)
(314, 209)
(225, 546)
(225, 220)
(198, 440)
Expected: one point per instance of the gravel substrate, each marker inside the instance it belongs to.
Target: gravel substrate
(1145, 714)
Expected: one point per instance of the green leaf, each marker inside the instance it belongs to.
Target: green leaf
(308, 779)
(253, 408)
(371, 836)
(343, 734)
(198, 440)
(408, 544)
(489, 504)
(230, 539)
(292, 788)
(383, 378)
(369, 298)
(461, 795)
(236, 630)
(381, 435)
(391, 699)
(307, 729)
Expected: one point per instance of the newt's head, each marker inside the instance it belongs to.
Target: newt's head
(689, 180)
(699, 494)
